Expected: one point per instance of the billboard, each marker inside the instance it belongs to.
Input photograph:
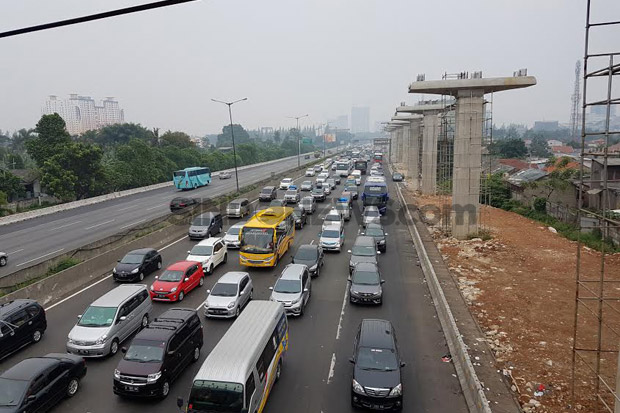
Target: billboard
(329, 137)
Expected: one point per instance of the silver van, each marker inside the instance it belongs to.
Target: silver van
(293, 289)
(238, 208)
(110, 320)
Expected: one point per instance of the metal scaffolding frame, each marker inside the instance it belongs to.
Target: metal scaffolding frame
(445, 154)
(487, 162)
(596, 333)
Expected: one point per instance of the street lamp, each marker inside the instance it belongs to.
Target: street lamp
(232, 133)
(298, 138)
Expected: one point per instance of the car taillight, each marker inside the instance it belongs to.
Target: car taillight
(182, 205)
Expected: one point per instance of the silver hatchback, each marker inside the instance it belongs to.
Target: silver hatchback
(293, 289)
(229, 295)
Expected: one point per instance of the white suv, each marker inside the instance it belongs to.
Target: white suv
(310, 172)
(285, 183)
(210, 252)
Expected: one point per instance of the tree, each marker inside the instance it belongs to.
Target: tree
(539, 147)
(224, 139)
(19, 139)
(52, 137)
(494, 191)
(277, 138)
(11, 185)
(509, 148)
(178, 139)
(122, 133)
(560, 179)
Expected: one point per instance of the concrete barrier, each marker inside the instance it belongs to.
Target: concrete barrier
(470, 384)
(23, 216)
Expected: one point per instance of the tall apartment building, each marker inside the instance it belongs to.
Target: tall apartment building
(360, 119)
(81, 113)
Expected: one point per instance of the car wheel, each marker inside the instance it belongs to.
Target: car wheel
(237, 312)
(279, 370)
(210, 270)
(225, 260)
(141, 276)
(2, 261)
(251, 294)
(72, 387)
(318, 270)
(196, 355)
(36, 336)
(145, 321)
(181, 296)
(165, 389)
(201, 282)
(114, 347)
(159, 265)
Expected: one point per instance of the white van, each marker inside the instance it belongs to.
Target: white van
(357, 174)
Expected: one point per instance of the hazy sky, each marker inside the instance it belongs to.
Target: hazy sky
(289, 57)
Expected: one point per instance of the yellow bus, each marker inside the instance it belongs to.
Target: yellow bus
(266, 237)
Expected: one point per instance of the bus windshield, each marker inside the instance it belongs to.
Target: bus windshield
(179, 174)
(215, 396)
(257, 240)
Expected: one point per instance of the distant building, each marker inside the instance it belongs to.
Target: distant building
(554, 142)
(81, 113)
(360, 119)
(562, 150)
(339, 122)
(546, 125)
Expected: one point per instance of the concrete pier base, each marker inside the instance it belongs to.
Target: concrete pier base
(413, 154)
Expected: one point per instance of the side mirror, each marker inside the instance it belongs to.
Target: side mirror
(186, 279)
(349, 279)
(118, 260)
(189, 252)
(305, 290)
(123, 350)
(351, 360)
(156, 277)
(241, 293)
(79, 316)
(386, 234)
(403, 364)
(208, 291)
(180, 402)
(349, 251)
(382, 281)
(31, 398)
(378, 252)
(122, 318)
(271, 288)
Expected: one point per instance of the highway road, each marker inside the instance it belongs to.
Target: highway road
(316, 375)
(35, 240)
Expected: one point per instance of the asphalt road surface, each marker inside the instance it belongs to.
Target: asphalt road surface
(316, 375)
(35, 240)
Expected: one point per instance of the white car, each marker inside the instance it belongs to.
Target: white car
(285, 183)
(310, 172)
(231, 238)
(371, 215)
(333, 217)
(4, 258)
(357, 174)
(211, 252)
(229, 295)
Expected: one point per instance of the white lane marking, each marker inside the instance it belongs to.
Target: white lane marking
(128, 207)
(331, 368)
(156, 206)
(42, 256)
(312, 242)
(65, 226)
(15, 252)
(344, 304)
(133, 223)
(98, 225)
(200, 306)
(101, 280)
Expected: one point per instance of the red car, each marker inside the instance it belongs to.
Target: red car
(178, 279)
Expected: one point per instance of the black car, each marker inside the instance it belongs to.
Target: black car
(268, 193)
(376, 367)
(37, 384)
(310, 255)
(159, 353)
(397, 177)
(301, 216)
(376, 231)
(180, 204)
(4, 258)
(318, 194)
(366, 283)
(306, 156)
(21, 322)
(337, 179)
(136, 264)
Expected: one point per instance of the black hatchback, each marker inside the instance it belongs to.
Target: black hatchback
(21, 322)
(136, 264)
(182, 204)
(37, 384)
(377, 381)
(312, 256)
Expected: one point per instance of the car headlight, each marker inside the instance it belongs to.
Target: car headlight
(152, 378)
(114, 271)
(135, 271)
(231, 305)
(101, 339)
(174, 290)
(313, 268)
(397, 391)
(117, 374)
(152, 289)
(70, 340)
(296, 301)
(357, 388)
(382, 241)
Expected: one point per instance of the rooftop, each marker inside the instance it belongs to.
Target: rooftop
(528, 175)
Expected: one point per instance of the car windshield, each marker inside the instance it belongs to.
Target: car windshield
(365, 278)
(363, 250)
(233, 231)
(292, 192)
(306, 183)
(201, 222)
(287, 181)
(317, 190)
(233, 205)
(371, 213)
(145, 351)
(97, 317)
(267, 190)
(202, 250)
(276, 202)
(306, 201)
(132, 259)
(330, 233)
(332, 217)
(224, 290)
(376, 359)
(11, 392)
(287, 286)
(257, 240)
(215, 396)
(374, 232)
(171, 276)
(306, 254)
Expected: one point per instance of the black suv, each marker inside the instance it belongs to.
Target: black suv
(36, 384)
(21, 322)
(376, 373)
(268, 193)
(159, 354)
(301, 216)
(136, 264)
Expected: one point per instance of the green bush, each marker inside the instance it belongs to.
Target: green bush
(64, 264)
(540, 205)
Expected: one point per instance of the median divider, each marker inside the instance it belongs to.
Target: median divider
(99, 258)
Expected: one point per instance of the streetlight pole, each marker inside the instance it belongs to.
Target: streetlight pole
(232, 133)
(298, 138)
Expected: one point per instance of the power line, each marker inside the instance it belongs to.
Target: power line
(91, 17)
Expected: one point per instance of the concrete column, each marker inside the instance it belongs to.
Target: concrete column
(429, 153)
(467, 163)
(405, 144)
(413, 152)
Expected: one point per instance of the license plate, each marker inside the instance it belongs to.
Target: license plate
(131, 388)
(377, 406)
(161, 296)
(83, 351)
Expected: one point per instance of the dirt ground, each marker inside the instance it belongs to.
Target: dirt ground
(520, 286)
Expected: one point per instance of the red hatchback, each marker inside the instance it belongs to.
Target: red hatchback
(178, 279)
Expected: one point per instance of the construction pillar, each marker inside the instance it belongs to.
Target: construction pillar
(429, 154)
(413, 164)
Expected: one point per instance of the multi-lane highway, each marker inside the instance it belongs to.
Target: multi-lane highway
(35, 240)
(317, 374)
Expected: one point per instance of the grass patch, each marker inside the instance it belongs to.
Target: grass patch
(64, 264)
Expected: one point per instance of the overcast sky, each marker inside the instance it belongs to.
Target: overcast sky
(289, 57)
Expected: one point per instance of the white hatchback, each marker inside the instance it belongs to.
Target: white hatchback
(285, 183)
(309, 172)
(210, 252)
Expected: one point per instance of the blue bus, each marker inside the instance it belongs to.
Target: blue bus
(376, 193)
(191, 178)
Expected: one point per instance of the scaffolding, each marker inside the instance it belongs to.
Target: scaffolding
(445, 154)
(488, 163)
(596, 329)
